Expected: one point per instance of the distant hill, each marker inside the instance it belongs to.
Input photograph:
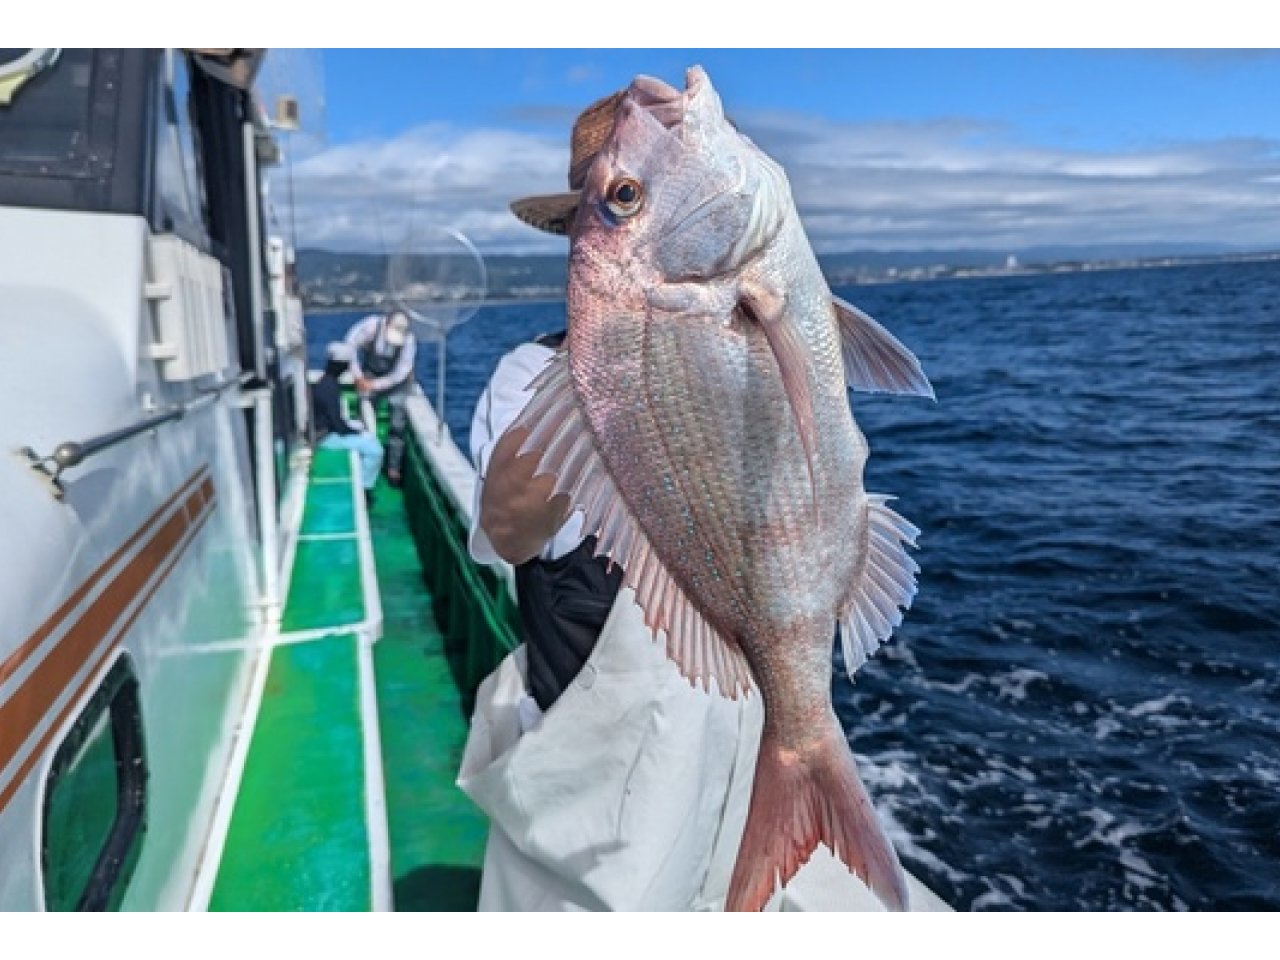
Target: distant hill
(337, 279)
(331, 279)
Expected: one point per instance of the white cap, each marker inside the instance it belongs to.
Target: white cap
(341, 351)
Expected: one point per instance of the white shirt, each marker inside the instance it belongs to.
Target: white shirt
(371, 332)
(502, 401)
(630, 794)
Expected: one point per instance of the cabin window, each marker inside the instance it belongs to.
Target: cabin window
(45, 104)
(95, 800)
(180, 197)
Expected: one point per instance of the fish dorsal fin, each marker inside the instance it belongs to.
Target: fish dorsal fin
(559, 431)
(884, 585)
(875, 361)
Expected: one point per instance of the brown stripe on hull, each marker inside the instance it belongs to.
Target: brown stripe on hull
(20, 714)
(20, 775)
(42, 633)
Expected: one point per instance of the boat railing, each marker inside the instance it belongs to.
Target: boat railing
(474, 603)
(72, 453)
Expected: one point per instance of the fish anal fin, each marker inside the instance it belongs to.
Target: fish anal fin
(885, 581)
(875, 361)
(698, 649)
(798, 801)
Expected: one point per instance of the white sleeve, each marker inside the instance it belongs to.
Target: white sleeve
(360, 335)
(502, 401)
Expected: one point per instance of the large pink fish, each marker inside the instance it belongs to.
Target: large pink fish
(699, 418)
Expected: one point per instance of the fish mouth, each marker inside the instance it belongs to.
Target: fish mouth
(663, 102)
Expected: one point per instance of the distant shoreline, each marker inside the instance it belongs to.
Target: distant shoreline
(377, 307)
(1059, 269)
(914, 276)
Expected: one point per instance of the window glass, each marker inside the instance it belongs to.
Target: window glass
(180, 200)
(44, 110)
(95, 801)
(80, 814)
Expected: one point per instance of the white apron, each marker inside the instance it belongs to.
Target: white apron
(630, 793)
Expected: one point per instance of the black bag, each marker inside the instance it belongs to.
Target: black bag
(563, 606)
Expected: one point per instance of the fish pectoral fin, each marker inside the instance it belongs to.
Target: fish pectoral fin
(768, 308)
(886, 583)
(560, 433)
(875, 361)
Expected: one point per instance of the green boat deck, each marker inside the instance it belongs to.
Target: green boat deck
(305, 830)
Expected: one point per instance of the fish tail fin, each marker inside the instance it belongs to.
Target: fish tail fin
(798, 802)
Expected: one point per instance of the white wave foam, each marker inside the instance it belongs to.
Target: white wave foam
(1013, 685)
(967, 681)
(889, 770)
(995, 898)
(899, 652)
(1148, 707)
(906, 846)
(1262, 767)
(1152, 713)
(992, 899)
(1116, 835)
(1105, 726)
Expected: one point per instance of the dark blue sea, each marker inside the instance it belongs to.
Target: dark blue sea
(1082, 709)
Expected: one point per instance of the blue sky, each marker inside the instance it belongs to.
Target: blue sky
(1105, 99)
(885, 148)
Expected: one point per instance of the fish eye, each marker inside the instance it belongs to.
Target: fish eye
(624, 197)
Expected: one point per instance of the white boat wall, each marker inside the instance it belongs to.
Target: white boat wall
(134, 582)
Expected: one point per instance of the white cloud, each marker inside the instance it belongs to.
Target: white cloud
(369, 195)
(583, 73)
(883, 186)
(952, 184)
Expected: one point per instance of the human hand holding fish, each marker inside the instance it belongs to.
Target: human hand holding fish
(699, 419)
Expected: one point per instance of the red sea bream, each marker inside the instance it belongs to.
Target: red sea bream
(700, 420)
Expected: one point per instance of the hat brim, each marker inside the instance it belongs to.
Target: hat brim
(552, 213)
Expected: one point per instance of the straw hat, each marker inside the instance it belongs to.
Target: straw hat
(553, 213)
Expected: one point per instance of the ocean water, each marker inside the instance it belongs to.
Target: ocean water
(1082, 708)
